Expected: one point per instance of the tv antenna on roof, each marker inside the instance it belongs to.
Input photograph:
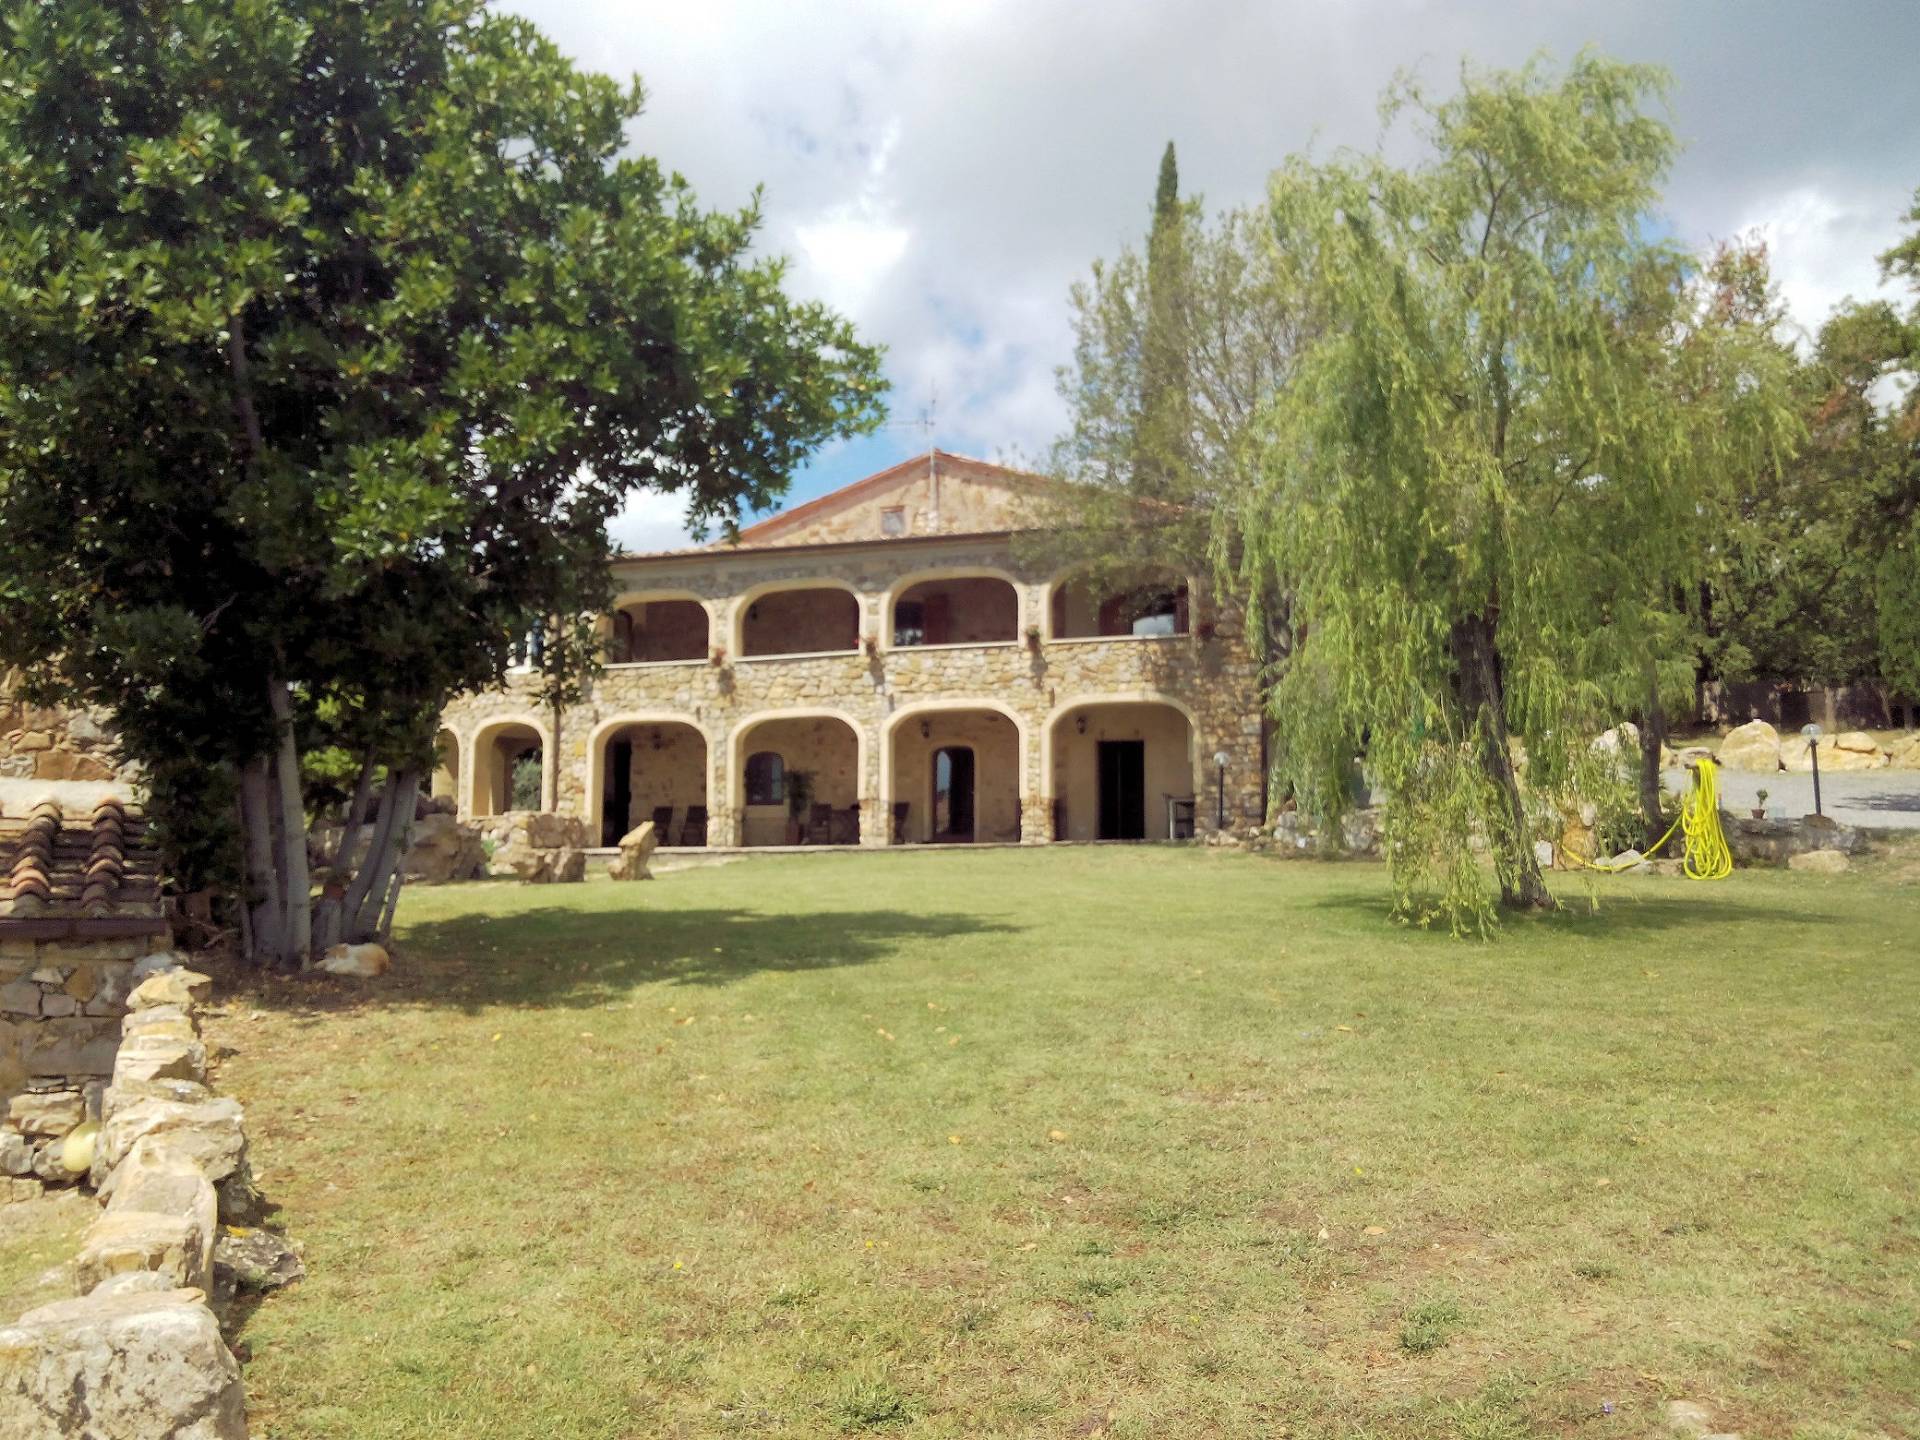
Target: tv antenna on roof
(927, 423)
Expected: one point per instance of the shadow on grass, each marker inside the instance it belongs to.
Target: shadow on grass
(1618, 915)
(557, 956)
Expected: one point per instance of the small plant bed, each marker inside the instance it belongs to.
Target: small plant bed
(1135, 1143)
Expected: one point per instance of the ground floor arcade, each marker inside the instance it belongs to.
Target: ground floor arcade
(951, 770)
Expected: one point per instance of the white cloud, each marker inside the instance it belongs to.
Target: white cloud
(943, 171)
(848, 251)
(652, 521)
(1824, 248)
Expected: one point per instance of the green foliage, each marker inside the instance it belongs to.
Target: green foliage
(1428, 1325)
(526, 783)
(337, 332)
(1483, 483)
(1815, 552)
(865, 1401)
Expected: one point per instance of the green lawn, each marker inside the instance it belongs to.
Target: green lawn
(1124, 1142)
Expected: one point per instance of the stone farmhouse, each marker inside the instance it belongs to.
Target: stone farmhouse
(881, 667)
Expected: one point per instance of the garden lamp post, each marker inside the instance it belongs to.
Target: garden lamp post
(1220, 789)
(1812, 732)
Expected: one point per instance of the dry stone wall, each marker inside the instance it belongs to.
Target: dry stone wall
(140, 1351)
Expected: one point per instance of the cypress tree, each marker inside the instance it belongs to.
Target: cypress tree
(1163, 439)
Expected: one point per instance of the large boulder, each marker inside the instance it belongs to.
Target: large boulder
(1797, 755)
(537, 848)
(442, 849)
(120, 1366)
(1775, 842)
(1752, 746)
(1905, 754)
(636, 849)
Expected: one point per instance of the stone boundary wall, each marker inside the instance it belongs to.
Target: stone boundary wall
(140, 1352)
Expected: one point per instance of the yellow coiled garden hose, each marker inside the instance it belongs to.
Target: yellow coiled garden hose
(1704, 855)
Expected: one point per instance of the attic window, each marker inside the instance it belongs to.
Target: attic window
(893, 520)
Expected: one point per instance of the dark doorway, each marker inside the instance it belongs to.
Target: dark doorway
(618, 800)
(953, 793)
(1123, 789)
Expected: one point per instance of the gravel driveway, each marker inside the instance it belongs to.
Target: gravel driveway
(1884, 798)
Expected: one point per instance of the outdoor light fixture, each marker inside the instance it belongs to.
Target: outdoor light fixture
(1220, 792)
(926, 730)
(1080, 723)
(1812, 732)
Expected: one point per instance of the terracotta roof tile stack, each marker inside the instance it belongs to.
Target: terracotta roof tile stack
(81, 868)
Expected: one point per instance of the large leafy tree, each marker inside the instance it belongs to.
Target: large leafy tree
(1475, 419)
(337, 332)
(1798, 584)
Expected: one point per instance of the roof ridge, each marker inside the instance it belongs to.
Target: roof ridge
(878, 480)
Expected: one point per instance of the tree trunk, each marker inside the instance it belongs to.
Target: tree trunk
(376, 889)
(356, 815)
(296, 878)
(267, 928)
(357, 892)
(1476, 655)
(1653, 739)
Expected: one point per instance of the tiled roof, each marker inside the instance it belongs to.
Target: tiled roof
(74, 862)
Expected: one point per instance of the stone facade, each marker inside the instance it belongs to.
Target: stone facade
(39, 742)
(865, 719)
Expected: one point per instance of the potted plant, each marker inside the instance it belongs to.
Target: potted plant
(717, 656)
(1033, 637)
(1760, 810)
(871, 644)
(799, 801)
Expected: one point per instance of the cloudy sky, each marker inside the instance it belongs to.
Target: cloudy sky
(942, 170)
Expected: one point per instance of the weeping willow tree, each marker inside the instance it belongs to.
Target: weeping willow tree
(1482, 438)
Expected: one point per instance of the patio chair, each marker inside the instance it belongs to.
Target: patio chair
(900, 810)
(846, 826)
(819, 825)
(694, 832)
(662, 824)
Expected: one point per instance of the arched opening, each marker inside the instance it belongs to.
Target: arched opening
(956, 610)
(653, 770)
(446, 767)
(1123, 770)
(955, 777)
(509, 769)
(1155, 605)
(800, 782)
(818, 619)
(646, 632)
